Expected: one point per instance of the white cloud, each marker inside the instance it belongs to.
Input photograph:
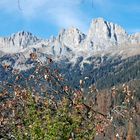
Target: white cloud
(62, 13)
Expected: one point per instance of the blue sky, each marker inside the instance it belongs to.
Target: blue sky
(47, 17)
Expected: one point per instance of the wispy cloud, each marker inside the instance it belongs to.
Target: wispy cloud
(62, 13)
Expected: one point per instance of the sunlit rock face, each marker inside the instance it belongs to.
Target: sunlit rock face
(103, 35)
(71, 37)
(18, 41)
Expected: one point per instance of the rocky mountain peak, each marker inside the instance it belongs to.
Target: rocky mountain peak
(108, 28)
(23, 39)
(101, 32)
(71, 37)
(99, 29)
(20, 39)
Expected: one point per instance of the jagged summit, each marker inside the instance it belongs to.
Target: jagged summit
(22, 38)
(104, 34)
(19, 40)
(102, 29)
(71, 37)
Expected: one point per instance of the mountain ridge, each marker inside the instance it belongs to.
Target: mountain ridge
(102, 35)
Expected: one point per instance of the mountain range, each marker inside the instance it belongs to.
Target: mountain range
(106, 52)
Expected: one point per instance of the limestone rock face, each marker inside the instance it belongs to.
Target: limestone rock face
(18, 41)
(103, 34)
(71, 37)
